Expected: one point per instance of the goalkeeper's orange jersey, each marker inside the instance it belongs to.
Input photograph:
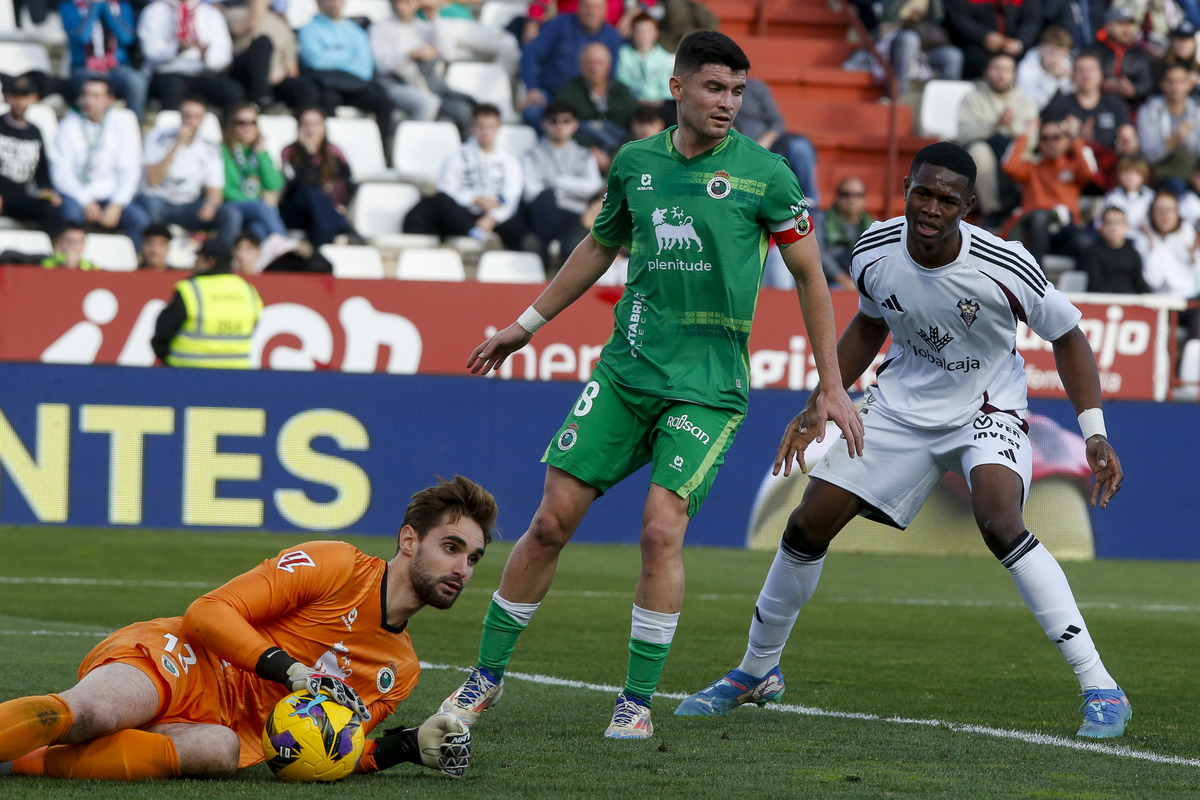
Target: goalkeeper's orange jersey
(322, 602)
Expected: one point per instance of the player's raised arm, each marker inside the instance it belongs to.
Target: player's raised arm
(1077, 365)
(583, 268)
(803, 260)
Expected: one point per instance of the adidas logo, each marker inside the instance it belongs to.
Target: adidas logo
(1069, 634)
(893, 304)
(1011, 456)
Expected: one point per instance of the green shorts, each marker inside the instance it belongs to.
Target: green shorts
(612, 431)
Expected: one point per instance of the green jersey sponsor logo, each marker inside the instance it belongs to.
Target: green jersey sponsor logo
(675, 230)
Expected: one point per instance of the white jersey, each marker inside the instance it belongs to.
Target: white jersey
(954, 328)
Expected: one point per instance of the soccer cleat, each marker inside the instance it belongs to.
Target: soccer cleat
(480, 691)
(728, 692)
(1105, 712)
(631, 720)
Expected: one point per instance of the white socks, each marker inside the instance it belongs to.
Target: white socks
(1044, 588)
(521, 612)
(790, 583)
(655, 627)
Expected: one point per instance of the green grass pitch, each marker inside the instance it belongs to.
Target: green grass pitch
(910, 652)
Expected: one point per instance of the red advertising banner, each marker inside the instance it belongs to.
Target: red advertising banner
(408, 327)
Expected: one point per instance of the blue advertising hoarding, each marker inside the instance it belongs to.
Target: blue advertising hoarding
(335, 453)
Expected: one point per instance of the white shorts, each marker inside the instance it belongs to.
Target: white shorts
(900, 465)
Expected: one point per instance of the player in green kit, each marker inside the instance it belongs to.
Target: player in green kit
(696, 206)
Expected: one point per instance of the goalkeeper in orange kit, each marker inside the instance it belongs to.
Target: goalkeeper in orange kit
(188, 696)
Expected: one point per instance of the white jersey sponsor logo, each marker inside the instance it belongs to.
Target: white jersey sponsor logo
(678, 233)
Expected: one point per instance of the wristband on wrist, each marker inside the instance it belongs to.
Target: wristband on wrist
(1091, 422)
(531, 320)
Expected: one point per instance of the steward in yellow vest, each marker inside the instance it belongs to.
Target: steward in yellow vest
(210, 320)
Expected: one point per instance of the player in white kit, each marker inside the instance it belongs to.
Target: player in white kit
(950, 395)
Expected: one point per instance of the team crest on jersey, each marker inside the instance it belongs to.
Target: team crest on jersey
(169, 665)
(934, 340)
(568, 438)
(803, 224)
(969, 309)
(385, 680)
(676, 232)
(719, 186)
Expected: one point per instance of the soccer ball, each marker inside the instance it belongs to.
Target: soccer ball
(312, 738)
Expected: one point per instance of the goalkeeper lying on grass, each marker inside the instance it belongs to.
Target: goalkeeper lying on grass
(188, 696)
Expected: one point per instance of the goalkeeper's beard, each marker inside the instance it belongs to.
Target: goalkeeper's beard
(431, 590)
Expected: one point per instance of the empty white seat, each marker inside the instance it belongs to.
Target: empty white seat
(430, 264)
(420, 148)
(939, 108)
(17, 58)
(45, 118)
(516, 139)
(506, 266)
(372, 10)
(360, 142)
(300, 13)
(8, 18)
(501, 12)
(31, 242)
(111, 251)
(353, 260)
(486, 82)
(1073, 280)
(278, 131)
(379, 208)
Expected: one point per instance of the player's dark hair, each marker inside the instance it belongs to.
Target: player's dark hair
(699, 48)
(67, 227)
(451, 500)
(948, 155)
(157, 229)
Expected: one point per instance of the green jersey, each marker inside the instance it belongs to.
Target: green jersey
(697, 231)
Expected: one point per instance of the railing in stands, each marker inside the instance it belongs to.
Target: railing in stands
(867, 41)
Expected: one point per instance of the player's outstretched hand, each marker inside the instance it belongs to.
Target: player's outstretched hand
(445, 744)
(810, 423)
(492, 353)
(1107, 469)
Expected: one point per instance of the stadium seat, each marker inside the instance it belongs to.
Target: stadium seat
(506, 266)
(370, 10)
(430, 264)
(353, 260)
(50, 32)
(500, 13)
(359, 139)
(379, 208)
(43, 115)
(23, 241)
(209, 129)
(8, 19)
(939, 108)
(1073, 280)
(419, 148)
(111, 251)
(300, 13)
(486, 82)
(516, 139)
(278, 131)
(1189, 371)
(617, 273)
(17, 58)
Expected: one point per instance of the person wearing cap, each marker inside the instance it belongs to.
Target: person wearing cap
(211, 317)
(1126, 67)
(25, 191)
(1181, 49)
(981, 30)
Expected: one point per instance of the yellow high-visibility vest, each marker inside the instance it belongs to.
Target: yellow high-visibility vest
(222, 310)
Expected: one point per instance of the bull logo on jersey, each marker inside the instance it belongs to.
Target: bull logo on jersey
(969, 309)
(719, 186)
(935, 341)
(677, 233)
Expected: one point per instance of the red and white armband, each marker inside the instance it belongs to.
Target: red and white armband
(792, 230)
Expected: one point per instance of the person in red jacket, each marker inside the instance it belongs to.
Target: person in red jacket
(1051, 181)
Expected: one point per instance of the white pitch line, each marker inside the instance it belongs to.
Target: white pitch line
(1153, 608)
(808, 711)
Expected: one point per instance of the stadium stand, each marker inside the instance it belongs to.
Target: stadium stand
(430, 264)
(505, 266)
